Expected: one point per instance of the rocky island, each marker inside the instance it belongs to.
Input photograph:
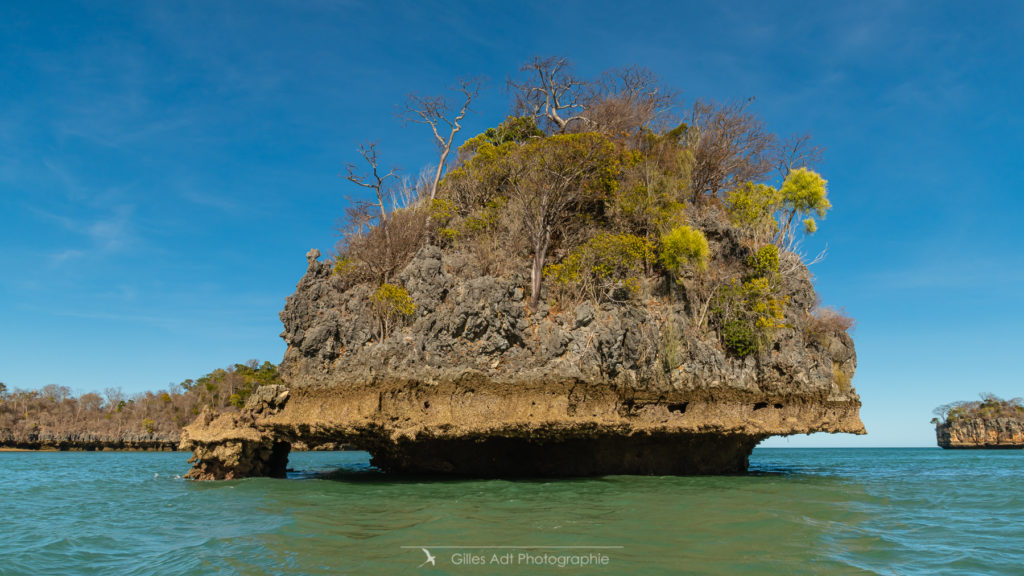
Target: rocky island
(989, 423)
(594, 289)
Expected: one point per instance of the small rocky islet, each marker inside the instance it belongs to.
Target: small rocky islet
(615, 292)
(991, 422)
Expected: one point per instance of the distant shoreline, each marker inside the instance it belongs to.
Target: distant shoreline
(48, 448)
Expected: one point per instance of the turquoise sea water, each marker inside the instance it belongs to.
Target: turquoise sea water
(799, 511)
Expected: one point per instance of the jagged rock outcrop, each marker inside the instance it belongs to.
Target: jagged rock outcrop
(475, 384)
(981, 433)
(231, 446)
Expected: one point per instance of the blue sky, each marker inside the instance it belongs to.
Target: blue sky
(164, 167)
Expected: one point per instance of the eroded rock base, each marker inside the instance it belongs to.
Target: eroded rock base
(685, 454)
(239, 459)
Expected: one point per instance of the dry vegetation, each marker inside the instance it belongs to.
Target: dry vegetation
(989, 407)
(604, 189)
(54, 410)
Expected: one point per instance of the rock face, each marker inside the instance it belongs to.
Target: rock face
(475, 384)
(981, 433)
(230, 445)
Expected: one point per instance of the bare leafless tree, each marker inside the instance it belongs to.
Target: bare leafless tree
(732, 146)
(437, 112)
(550, 90)
(374, 181)
(797, 151)
(628, 101)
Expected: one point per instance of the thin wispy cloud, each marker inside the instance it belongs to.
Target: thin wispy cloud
(209, 201)
(65, 255)
(110, 233)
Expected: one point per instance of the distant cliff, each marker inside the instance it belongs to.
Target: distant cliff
(86, 441)
(989, 423)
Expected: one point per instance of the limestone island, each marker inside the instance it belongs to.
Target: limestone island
(989, 423)
(593, 288)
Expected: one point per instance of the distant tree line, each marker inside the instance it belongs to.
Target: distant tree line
(55, 411)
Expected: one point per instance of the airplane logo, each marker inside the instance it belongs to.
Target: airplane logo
(430, 559)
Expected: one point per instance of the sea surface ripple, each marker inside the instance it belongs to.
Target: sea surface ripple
(799, 511)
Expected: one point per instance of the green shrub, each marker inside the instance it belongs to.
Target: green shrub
(448, 235)
(342, 266)
(149, 425)
(739, 338)
(748, 314)
(484, 218)
(602, 265)
(684, 246)
(513, 130)
(391, 305)
(441, 210)
(765, 262)
(752, 207)
(805, 191)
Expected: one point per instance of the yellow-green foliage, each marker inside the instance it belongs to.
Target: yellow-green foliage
(647, 209)
(513, 129)
(606, 262)
(441, 213)
(391, 305)
(442, 210)
(752, 207)
(748, 314)
(769, 213)
(342, 266)
(449, 235)
(765, 262)
(486, 217)
(394, 300)
(684, 246)
(483, 162)
(486, 163)
(480, 177)
(806, 192)
(590, 160)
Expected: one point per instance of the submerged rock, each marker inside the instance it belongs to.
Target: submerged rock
(475, 384)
